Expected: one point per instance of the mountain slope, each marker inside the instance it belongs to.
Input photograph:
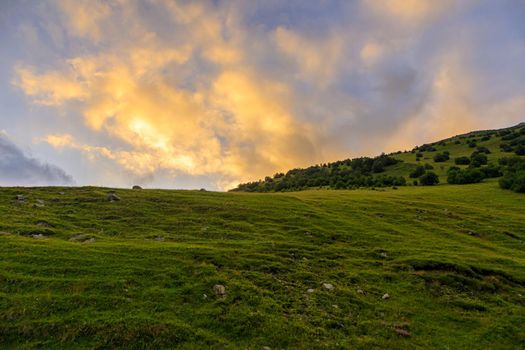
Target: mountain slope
(395, 169)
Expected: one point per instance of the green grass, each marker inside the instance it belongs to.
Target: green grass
(450, 257)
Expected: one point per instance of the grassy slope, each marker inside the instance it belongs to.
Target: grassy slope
(449, 289)
(409, 159)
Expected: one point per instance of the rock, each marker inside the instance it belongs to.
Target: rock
(383, 254)
(402, 332)
(472, 233)
(37, 235)
(202, 190)
(307, 233)
(44, 224)
(360, 291)
(204, 296)
(335, 306)
(310, 290)
(39, 201)
(328, 286)
(20, 197)
(385, 296)
(219, 289)
(267, 348)
(160, 239)
(61, 193)
(136, 187)
(112, 197)
(82, 238)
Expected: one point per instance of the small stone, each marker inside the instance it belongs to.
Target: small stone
(38, 235)
(328, 286)
(307, 233)
(360, 291)
(335, 306)
(136, 187)
(160, 239)
(20, 197)
(39, 201)
(310, 290)
(402, 332)
(91, 240)
(305, 258)
(204, 296)
(385, 296)
(112, 197)
(61, 193)
(383, 254)
(267, 348)
(219, 289)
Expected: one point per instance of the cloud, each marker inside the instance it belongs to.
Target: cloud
(18, 169)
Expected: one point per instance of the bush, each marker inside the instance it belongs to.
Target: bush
(428, 166)
(472, 144)
(462, 161)
(441, 157)
(429, 179)
(483, 149)
(417, 172)
(520, 151)
(485, 138)
(457, 176)
(514, 181)
(505, 147)
(478, 159)
(491, 171)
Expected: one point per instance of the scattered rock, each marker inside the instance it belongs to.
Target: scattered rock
(112, 197)
(219, 289)
(385, 296)
(267, 348)
(305, 258)
(328, 286)
(37, 235)
(204, 296)
(20, 197)
(383, 254)
(335, 306)
(160, 239)
(44, 224)
(402, 332)
(360, 291)
(39, 201)
(310, 290)
(472, 233)
(82, 238)
(307, 233)
(136, 187)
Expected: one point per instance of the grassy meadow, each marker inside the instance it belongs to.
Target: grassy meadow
(81, 272)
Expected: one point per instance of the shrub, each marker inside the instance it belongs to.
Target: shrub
(468, 176)
(483, 149)
(514, 181)
(491, 171)
(417, 172)
(429, 179)
(457, 142)
(478, 159)
(485, 138)
(428, 166)
(520, 151)
(462, 161)
(505, 147)
(441, 157)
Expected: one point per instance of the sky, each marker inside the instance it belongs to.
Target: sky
(207, 94)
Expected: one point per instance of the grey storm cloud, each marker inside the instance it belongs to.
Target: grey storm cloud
(18, 169)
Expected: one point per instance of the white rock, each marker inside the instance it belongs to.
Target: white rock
(219, 289)
(328, 286)
(385, 296)
(310, 290)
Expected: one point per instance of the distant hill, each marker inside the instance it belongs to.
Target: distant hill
(462, 159)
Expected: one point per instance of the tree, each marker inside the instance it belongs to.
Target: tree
(462, 161)
(441, 157)
(417, 172)
(428, 179)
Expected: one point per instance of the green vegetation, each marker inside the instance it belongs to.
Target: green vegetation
(81, 272)
(393, 169)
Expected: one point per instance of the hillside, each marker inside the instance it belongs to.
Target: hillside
(438, 267)
(485, 152)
